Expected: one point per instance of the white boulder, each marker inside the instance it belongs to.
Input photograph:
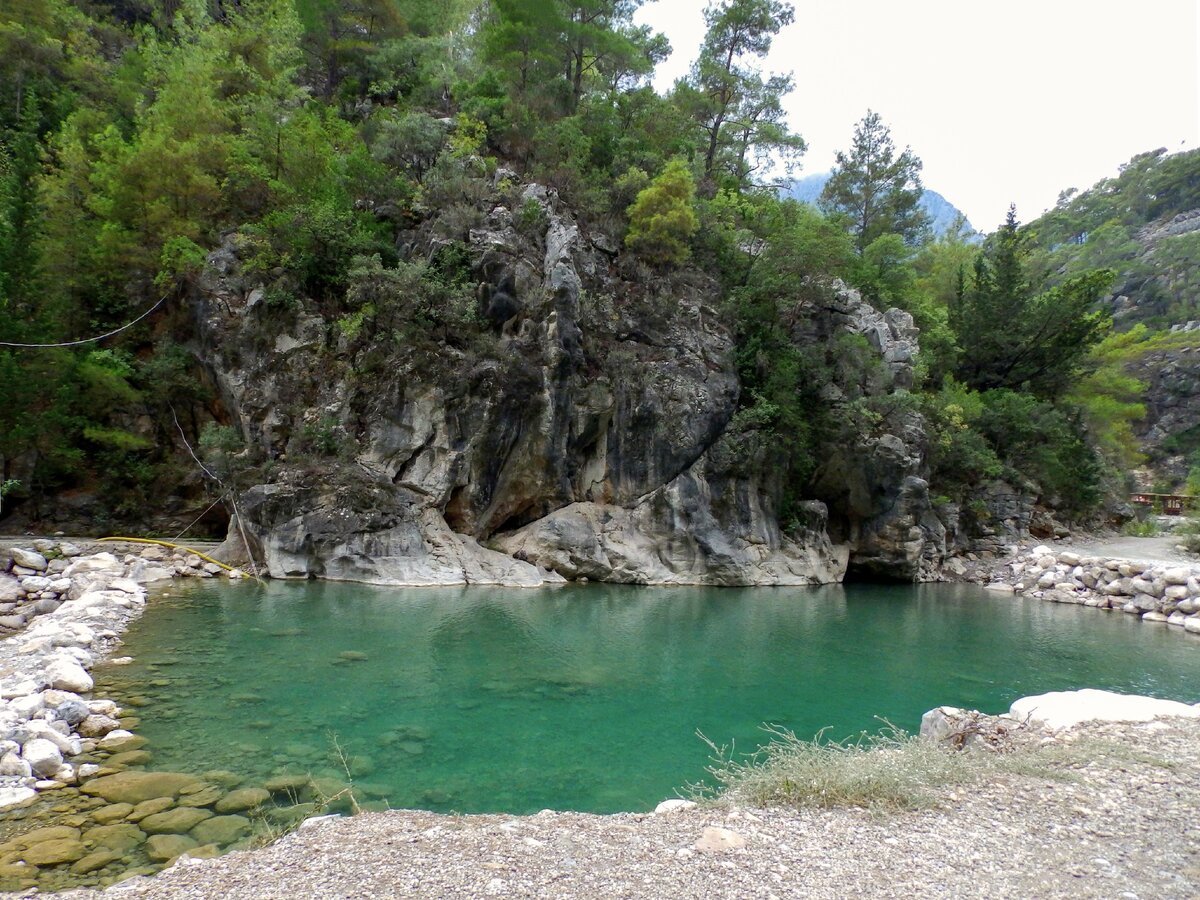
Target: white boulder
(67, 675)
(1065, 709)
(43, 757)
(16, 796)
(30, 559)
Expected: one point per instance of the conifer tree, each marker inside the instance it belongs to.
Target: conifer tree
(661, 219)
(1014, 337)
(875, 191)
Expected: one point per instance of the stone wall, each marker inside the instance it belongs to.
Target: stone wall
(1156, 592)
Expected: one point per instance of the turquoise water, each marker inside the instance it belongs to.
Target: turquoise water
(587, 697)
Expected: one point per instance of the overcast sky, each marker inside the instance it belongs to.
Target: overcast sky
(1004, 102)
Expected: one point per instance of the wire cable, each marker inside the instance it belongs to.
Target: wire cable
(90, 340)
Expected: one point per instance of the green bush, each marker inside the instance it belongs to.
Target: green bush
(661, 219)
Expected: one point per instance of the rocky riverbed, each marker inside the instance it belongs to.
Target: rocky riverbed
(73, 808)
(82, 810)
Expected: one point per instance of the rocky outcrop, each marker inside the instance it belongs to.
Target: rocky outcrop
(698, 529)
(1170, 432)
(585, 436)
(875, 489)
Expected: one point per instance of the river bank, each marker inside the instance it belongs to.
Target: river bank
(396, 830)
(1114, 821)
(1161, 586)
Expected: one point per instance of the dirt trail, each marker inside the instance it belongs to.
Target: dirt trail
(1142, 549)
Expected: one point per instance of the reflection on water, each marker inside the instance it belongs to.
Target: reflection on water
(586, 697)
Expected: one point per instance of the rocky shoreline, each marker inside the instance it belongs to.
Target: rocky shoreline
(69, 762)
(64, 611)
(1112, 821)
(1157, 592)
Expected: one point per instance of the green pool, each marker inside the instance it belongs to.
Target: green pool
(586, 697)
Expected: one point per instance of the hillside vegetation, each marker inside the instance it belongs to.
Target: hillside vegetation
(353, 149)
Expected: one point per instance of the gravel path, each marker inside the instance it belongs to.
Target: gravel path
(1143, 549)
(1123, 824)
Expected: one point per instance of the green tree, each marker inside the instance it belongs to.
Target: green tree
(661, 219)
(874, 190)
(1013, 336)
(735, 107)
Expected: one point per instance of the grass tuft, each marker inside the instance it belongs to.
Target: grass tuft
(889, 770)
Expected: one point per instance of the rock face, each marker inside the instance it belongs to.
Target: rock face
(876, 492)
(582, 437)
(1171, 428)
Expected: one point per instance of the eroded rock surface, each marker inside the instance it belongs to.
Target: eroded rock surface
(582, 437)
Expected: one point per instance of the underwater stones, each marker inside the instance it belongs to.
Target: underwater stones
(49, 833)
(285, 816)
(130, 758)
(134, 787)
(246, 798)
(221, 830)
(163, 847)
(96, 860)
(223, 778)
(179, 820)
(204, 851)
(287, 783)
(149, 808)
(115, 812)
(121, 740)
(204, 796)
(121, 838)
(54, 852)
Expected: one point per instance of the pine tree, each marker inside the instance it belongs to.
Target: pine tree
(1013, 337)
(875, 191)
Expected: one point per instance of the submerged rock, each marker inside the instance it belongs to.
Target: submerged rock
(54, 852)
(221, 830)
(179, 820)
(163, 847)
(134, 787)
(246, 798)
(121, 838)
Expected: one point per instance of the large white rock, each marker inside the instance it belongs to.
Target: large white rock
(16, 796)
(42, 730)
(100, 562)
(67, 675)
(26, 706)
(43, 757)
(1066, 709)
(10, 589)
(30, 559)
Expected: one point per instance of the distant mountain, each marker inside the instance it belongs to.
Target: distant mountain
(942, 213)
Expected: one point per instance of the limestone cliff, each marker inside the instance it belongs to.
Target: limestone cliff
(582, 432)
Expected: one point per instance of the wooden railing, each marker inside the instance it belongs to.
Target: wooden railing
(1170, 504)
